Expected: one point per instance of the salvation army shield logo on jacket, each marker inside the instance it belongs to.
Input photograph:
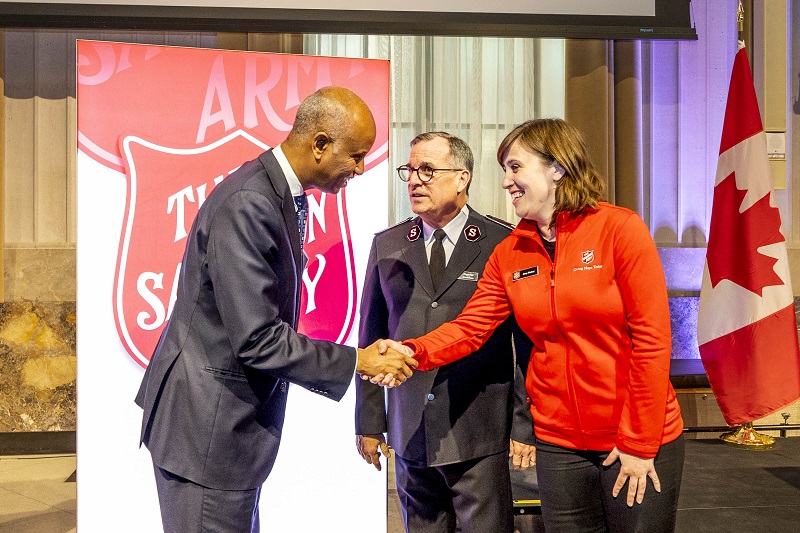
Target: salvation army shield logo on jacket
(198, 115)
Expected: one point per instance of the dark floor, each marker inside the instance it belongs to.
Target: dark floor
(724, 489)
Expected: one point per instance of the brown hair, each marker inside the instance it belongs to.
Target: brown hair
(555, 140)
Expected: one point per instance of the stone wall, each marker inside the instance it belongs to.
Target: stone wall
(683, 319)
(37, 366)
(37, 340)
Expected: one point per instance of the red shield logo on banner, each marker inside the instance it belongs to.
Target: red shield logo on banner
(203, 114)
(327, 307)
(166, 187)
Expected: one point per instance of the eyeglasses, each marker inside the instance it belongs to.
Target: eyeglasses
(424, 172)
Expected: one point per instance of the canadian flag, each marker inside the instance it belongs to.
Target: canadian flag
(746, 329)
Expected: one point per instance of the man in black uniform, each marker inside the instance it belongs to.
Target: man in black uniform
(450, 427)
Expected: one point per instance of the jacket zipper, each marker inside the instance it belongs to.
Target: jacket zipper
(567, 373)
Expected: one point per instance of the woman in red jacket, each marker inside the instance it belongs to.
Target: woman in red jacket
(584, 281)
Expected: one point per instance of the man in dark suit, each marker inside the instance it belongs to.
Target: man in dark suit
(214, 394)
(450, 427)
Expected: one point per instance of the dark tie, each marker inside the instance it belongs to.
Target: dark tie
(437, 261)
(301, 202)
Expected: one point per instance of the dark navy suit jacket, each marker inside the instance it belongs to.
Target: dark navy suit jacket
(214, 394)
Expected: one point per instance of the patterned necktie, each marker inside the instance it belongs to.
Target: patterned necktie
(437, 262)
(301, 202)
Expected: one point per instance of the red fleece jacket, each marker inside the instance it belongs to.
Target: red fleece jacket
(599, 320)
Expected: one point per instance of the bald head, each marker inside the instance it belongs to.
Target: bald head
(332, 132)
(331, 109)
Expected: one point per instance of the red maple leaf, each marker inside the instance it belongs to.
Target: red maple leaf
(735, 237)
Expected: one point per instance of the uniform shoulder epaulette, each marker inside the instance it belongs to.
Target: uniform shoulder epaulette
(500, 221)
(396, 225)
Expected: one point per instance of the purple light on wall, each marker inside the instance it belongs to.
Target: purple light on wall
(685, 110)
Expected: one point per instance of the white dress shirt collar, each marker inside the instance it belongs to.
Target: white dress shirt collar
(453, 229)
(291, 178)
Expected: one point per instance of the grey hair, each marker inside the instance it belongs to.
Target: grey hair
(460, 152)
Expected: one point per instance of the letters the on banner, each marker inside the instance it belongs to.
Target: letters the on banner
(178, 121)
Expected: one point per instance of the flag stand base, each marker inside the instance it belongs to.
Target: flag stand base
(748, 438)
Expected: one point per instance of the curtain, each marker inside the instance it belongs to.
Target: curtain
(652, 114)
(476, 88)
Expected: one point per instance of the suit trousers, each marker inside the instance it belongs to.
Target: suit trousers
(474, 494)
(575, 489)
(187, 507)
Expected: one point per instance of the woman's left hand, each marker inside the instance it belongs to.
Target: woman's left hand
(634, 470)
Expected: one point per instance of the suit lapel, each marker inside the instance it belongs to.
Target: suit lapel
(281, 186)
(417, 259)
(463, 255)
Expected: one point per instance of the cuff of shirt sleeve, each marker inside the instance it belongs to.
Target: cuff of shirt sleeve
(637, 449)
(420, 353)
(355, 362)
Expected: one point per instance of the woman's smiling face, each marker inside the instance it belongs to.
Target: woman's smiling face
(531, 181)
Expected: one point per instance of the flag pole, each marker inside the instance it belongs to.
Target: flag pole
(744, 436)
(740, 19)
(748, 438)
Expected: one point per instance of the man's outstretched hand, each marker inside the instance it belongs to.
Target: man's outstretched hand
(390, 365)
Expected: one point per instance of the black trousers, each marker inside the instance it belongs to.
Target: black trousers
(474, 494)
(187, 507)
(575, 490)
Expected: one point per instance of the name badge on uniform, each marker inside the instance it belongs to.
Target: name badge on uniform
(469, 276)
(526, 273)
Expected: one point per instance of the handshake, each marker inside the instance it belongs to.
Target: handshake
(385, 362)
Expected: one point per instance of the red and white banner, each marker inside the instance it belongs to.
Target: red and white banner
(746, 328)
(198, 115)
(158, 128)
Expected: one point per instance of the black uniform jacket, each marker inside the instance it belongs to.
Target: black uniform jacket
(460, 411)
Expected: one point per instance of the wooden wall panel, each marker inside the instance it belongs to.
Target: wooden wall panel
(660, 116)
(590, 101)
(628, 148)
(71, 156)
(40, 129)
(51, 125)
(2, 164)
(18, 165)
